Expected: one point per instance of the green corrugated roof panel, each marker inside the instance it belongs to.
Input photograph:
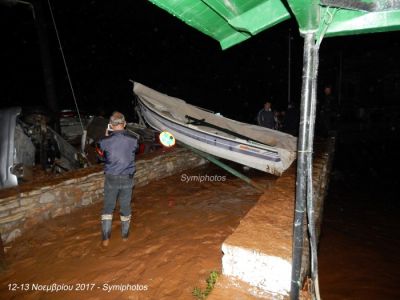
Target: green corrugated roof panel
(345, 17)
(228, 21)
(349, 22)
(250, 16)
(233, 21)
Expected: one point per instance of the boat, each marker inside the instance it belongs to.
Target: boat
(250, 145)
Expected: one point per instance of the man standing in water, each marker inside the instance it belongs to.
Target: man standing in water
(266, 116)
(118, 149)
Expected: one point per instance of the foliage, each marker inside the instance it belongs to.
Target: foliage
(211, 280)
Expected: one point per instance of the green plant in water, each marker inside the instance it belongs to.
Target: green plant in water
(211, 280)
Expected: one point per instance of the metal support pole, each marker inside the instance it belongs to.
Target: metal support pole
(304, 154)
(43, 41)
(310, 193)
(214, 160)
(38, 14)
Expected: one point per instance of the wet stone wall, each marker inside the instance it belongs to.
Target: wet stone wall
(28, 204)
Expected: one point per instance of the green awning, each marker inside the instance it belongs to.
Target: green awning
(228, 21)
(349, 22)
(233, 21)
(341, 17)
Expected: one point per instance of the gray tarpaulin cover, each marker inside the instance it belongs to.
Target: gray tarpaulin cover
(177, 109)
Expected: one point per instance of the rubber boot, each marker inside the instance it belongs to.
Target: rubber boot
(125, 224)
(106, 222)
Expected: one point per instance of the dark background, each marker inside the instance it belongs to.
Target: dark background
(106, 43)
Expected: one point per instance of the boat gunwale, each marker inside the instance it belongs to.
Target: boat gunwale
(267, 147)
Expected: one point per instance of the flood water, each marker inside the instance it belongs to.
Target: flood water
(175, 243)
(178, 229)
(359, 256)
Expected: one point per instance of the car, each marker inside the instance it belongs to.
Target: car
(27, 140)
(70, 125)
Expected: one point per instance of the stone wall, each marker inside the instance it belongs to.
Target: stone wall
(322, 166)
(26, 205)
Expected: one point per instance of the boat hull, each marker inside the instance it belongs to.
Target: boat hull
(239, 151)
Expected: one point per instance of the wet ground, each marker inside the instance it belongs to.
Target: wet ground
(177, 232)
(359, 256)
(178, 229)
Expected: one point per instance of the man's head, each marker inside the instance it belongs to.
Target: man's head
(328, 90)
(267, 105)
(117, 121)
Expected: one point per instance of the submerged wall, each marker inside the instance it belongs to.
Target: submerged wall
(26, 205)
(259, 252)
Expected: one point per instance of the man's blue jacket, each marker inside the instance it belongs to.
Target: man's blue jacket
(119, 152)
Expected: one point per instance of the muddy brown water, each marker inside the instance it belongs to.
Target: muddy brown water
(359, 246)
(177, 232)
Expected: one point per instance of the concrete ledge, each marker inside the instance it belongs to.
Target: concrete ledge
(259, 252)
(265, 272)
(228, 287)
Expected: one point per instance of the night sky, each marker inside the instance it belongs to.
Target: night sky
(107, 43)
